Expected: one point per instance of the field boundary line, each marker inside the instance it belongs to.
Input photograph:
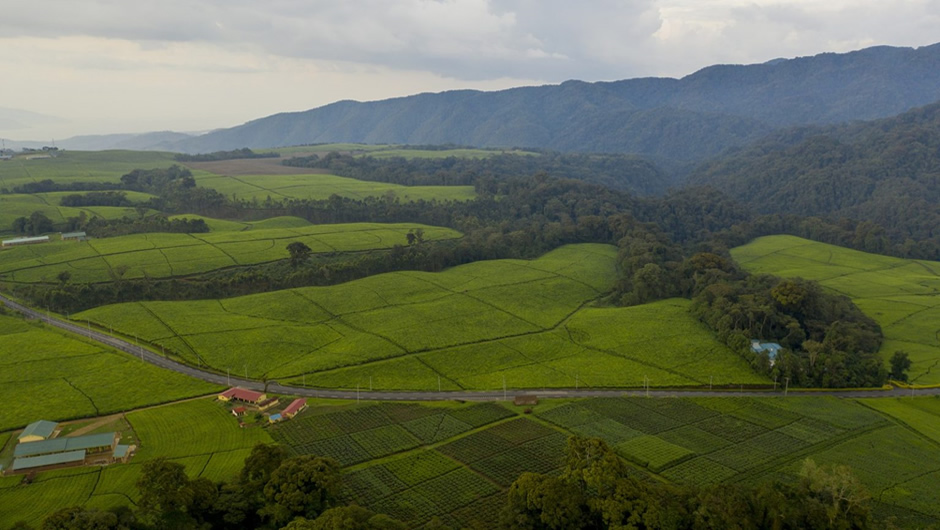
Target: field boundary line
(82, 392)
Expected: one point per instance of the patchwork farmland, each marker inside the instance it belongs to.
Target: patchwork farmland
(456, 461)
(484, 325)
(902, 295)
(160, 255)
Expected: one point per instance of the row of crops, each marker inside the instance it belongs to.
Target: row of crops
(484, 325)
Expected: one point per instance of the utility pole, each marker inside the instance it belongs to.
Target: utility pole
(576, 380)
(228, 375)
(370, 382)
(438, 383)
(305, 379)
(787, 387)
(357, 392)
(775, 383)
(710, 379)
(504, 388)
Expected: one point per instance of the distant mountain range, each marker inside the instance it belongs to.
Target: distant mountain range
(679, 120)
(152, 141)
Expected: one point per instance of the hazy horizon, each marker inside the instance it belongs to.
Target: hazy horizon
(103, 68)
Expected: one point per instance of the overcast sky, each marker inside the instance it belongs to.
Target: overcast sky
(107, 66)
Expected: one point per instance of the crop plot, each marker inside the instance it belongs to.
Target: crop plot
(901, 295)
(51, 374)
(160, 255)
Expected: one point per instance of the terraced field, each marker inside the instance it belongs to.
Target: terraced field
(159, 255)
(47, 374)
(903, 296)
(478, 326)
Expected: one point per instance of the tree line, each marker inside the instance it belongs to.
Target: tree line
(244, 152)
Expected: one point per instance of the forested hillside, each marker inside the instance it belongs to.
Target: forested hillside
(668, 119)
(886, 172)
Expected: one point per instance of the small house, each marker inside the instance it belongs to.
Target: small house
(295, 407)
(770, 348)
(238, 411)
(37, 431)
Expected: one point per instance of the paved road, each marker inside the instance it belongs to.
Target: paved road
(221, 379)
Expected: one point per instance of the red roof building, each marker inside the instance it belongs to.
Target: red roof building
(238, 411)
(241, 394)
(296, 406)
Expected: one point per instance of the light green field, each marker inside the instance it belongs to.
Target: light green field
(477, 326)
(160, 255)
(80, 166)
(902, 295)
(921, 414)
(200, 434)
(317, 186)
(47, 374)
(13, 206)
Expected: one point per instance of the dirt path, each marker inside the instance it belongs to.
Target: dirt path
(100, 422)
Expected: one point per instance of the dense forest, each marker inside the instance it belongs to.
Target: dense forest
(886, 172)
(594, 490)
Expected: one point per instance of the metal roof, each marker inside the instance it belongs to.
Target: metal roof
(295, 406)
(48, 460)
(40, 428)
(120, 451)
(73, 234)
(25, 240)
(61, 445)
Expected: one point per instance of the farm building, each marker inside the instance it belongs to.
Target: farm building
(267, 403)
(243, 395)
(74, 236)
(15, 242)
(67, 452)
(295, 407)
(37, 431)
(238, 411)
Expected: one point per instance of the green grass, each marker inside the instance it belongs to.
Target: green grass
(158, 255)
(902, 295)
(322, 186)
(52, 375)
(478, 326)
(13, 206)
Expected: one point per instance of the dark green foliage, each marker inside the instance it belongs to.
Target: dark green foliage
(80, 518)
(299, 253)
(98, 227)
(828, 341)
(883, 173)
(900, 363)
(304, 485)
(244, 152)
(97, 198)
(37, 223)
(595, 490)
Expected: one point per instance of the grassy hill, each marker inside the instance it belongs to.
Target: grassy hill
(78, 166)
(159, 255)
(903, 296)
(476, 326)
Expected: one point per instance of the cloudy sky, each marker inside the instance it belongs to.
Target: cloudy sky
(107, 66)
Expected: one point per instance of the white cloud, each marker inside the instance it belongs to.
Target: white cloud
(173, 63)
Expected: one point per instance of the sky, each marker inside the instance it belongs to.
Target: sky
(74, 67)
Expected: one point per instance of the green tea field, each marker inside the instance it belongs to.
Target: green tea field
(79, 166)
(47, 374)
(16, 205)
(484, 325)
(902, 295)
(159, 255)
(322, 186)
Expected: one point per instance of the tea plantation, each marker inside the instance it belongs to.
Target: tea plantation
(902, 295)
(485, 325)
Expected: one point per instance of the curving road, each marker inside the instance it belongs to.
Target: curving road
(276, 388)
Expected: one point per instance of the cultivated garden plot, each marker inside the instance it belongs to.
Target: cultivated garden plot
(485, 325)
(902, 295)
(14, 205)
(79, 166)
(48, 374)
(160, 255)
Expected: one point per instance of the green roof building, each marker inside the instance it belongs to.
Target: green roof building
(36, 431)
